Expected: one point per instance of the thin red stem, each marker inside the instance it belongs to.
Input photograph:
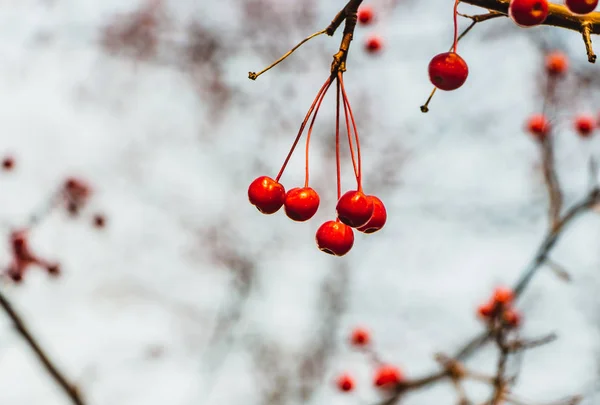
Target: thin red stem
(310, 128)
(346, 101)
(337, 142)
(310, 110)
(455, 25)
(348, 130)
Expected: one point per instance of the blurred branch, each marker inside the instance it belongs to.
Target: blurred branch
(69, 389)
(551, 180)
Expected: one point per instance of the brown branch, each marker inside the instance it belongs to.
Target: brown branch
(551, 180)
(69, 389)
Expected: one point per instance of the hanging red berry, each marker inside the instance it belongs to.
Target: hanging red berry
(448, 71)
(374, 43)
(538, 126)
(266, 194)
(387, 376)
(557, 63)
(365, 15)
(581, 6)
(335, 238)
(354, 209)
(378, 219)
(301, 203)
(345, 383)
(528, 13)
(584, 125)
(360, 337)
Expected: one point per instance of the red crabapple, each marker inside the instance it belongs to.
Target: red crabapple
(345, 382)
(557, 63)
(581, 6)
(301, 203)
(448, 71)
(377, 220)
(387, 376)
(360, 337)
(584, 125)
(266, 194)
(486, 310)
(528, 13)
(503, 296)
(335, 238)
(354, 209)
(365, 15)
(538, 126)
(373, 44)
(511, 317)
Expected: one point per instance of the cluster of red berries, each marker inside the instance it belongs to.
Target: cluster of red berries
(23, 258)
(386, 376)
(529, 13)
(355, 209)
(366, 16)
(499, 309)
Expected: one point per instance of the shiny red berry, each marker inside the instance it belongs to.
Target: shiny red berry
(584, 125)
(266, 194)
(354, 209)
(377, 220)
(360, 337)
(557, 63)
(448, 71)
(538, 126)
(387, 376)
(335, 238)
(581, 6)
(301, 203)
(528, 13)
(365, 15)
(345, 383)
(374, 44)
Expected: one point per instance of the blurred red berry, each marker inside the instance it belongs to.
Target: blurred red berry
(448, 71)
(528, 13)
(585, 125)
(365, 15)
(76, 193)
(538, 126)
(387, 376)
(486, 310)
(581, 6)
(266, 194)
(99, 221)
(511, 317)
(557, 63)
(345, 383)
(335, 238)
(503, 296)
(374, 44)
(360, 337)
(8, 163)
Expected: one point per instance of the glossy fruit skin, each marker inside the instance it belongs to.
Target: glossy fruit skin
(448, 71)
(528, 13)
(378, 218)
(335, 238)
(360, 337)
(373, 44)
(538, 126)
(354, 209)
(584, 125)
(387, 376)
(365, 15)
(557, 63)
(581, 6)
(345, 383)
(266, 194)
(301, 204)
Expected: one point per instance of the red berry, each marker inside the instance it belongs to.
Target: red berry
(512, 318)
(365, 15)
(377, 220)
(8, 163)
(486, 310)
(387, 376)
(301, 203)
(99, 221)
(374, 44)
(266, 194)
(345, 382)
(557, 63)
(538, 126)
(503, 296)
(360, 337)
(53, 269)
(528, 13)
(448, 71)
(335, 238)
(584, 125)
(354, 209)
(581, 6)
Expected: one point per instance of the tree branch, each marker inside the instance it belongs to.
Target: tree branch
(69, 389)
